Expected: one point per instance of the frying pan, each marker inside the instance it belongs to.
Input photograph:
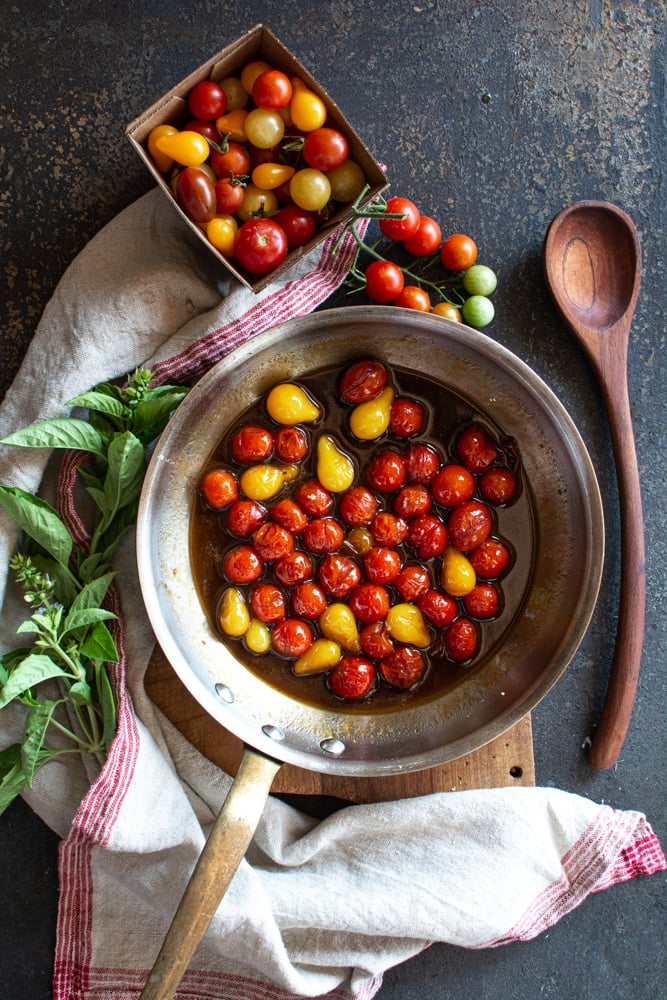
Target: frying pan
(566, 536)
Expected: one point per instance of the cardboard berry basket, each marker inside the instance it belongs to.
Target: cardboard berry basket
(257, 43)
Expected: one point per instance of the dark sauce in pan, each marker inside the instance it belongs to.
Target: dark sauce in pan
(447, 414)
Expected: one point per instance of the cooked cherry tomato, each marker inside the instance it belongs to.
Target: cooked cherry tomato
(447, 311)
(490, 558)
(413, 297)
(426, 240)
(338, 574)
(453, 485)
(310, 189)
(233, 162)
(347, 181)
(357, 506)
(458, 252)
(260, 246)
(369, 602)
(293, 568)
(325, 148)
(272, 89)
(271, 541)
(482, 601)
(402, 228)
(220, 487)
(313, 498)
(207, 100)
(308, 600)
(242, 565)
(289, 515)
(406, 417)
(460, 640)
(387, 529)
(411, 501)
(412, 581)
(298, 224)
(268, 603)
(403, 668)
(384, 281)
(323, 534)
(386, 471)
(421, 463)
(291, 637)
(427, 535)
(439, 608)
(497, 485)
(469, 525)
(196, 195)
(475, 448)
(376, 641)
(291, 444)
(251, 443)
(228, 196)
(382, 564)
(352, 678)
(362, 381)
(243, 516)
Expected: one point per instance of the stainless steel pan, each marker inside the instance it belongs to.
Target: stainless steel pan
(568, 546)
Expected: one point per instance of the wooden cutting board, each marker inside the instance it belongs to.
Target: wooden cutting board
(508, 760)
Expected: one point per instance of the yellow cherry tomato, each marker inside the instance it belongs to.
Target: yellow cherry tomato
(188, 148)
(308, 111)
(256, 202)
(289, 404)
(233, 613)
(221, 231)
(268, 176)
(335, 469)
(347, 181)
(406, 624)
(251, 71)
(369, 420)
(339, 624)
(261, 482)
(310, 189)
(232, 124)
(264, 128)
(448, 311)
(458, 576)
(162, 161)
(322, 655)
(257, 636)
(237, 95)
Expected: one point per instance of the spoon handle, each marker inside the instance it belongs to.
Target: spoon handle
(624, 674)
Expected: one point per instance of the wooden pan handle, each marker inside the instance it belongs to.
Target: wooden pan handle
(223, 852)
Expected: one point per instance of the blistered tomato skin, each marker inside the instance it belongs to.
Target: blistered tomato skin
(406, 417)
(242, 565)
(268, 603)
(382, 565)
(387, 529)
(291, 444)
(369, 602)
(219, 488)
(288, 515)
(375, 641)
(403, 668)
(338, 574)
(498, 485)
(476, 449)
(293, 568)
(490, 559)
(358, 506)
(482, 601)
(362, 381)
(469, 525)
(439, 608)
(386, 471)
(427, 535)
(352, 678)
(460, 640)
(323, 534)
(313, 498)
(271, 541)
(411, 501)
(243, 516)
(292, 637)
(252, 443)
(308, 600)
(421, 463)
(452, 485)
(412, 581)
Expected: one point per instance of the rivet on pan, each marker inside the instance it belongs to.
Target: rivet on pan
(273, 732)
(224, 693)
(333, 746)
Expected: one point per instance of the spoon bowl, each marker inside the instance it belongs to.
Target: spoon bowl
(592, 267)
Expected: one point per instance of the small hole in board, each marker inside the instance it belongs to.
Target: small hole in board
(516, 771)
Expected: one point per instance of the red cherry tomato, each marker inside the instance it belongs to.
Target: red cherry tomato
(288, 515)
(376, 641)
(252, 443)
(338, 574)
(421, 463)
(196, 195)
(475, 448)
(293, 568)
(268, 603)
(382, 564)
(228, 196)
(312, 497)
(298, 223)
(411, 501)
(426, 240)
(387, 529)
(207, 129)
(207, 100)
(323, 534)
(292, 637)
(362, 381)
(413, 297)
(469, 525)
(403, 668)
(308, 600)
(242, 565)
(497, 485)
(325, 148)
(357, 506)
(458, 252)
(243, 516)
(439, 608)
(406, 417)
(352, 678)
(234, 162)
(271, 541)
(384, 281)
(490, 558)
(272, 89)
(385, 471)
(219, 487)
(460, 640)
(260, 245)
(369, 602)
(428, 536)
(453, 485)
(291, 444)
(412, 582)
(482, 601)
(405, 227)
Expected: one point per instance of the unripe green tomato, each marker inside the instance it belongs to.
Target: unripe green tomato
(478, 311)
(480, 280)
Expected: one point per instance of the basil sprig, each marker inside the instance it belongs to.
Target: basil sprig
(66, 585)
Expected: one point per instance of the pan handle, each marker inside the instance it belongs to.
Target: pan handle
(222, 854)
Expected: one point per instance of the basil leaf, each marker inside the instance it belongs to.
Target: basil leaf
(80, 693)
(153, 413)
(127, 464)
(90, 567)
(83, 618)
(99, 402)
(99, 645)
(92, 595)
(61, 432)
(109, 718)
(12, 777)
(38, 520)
(34, 669)
(34, 732)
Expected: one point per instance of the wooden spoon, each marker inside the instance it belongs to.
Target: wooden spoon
(592, 266)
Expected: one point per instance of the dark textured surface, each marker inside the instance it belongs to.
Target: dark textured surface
(493, 117)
